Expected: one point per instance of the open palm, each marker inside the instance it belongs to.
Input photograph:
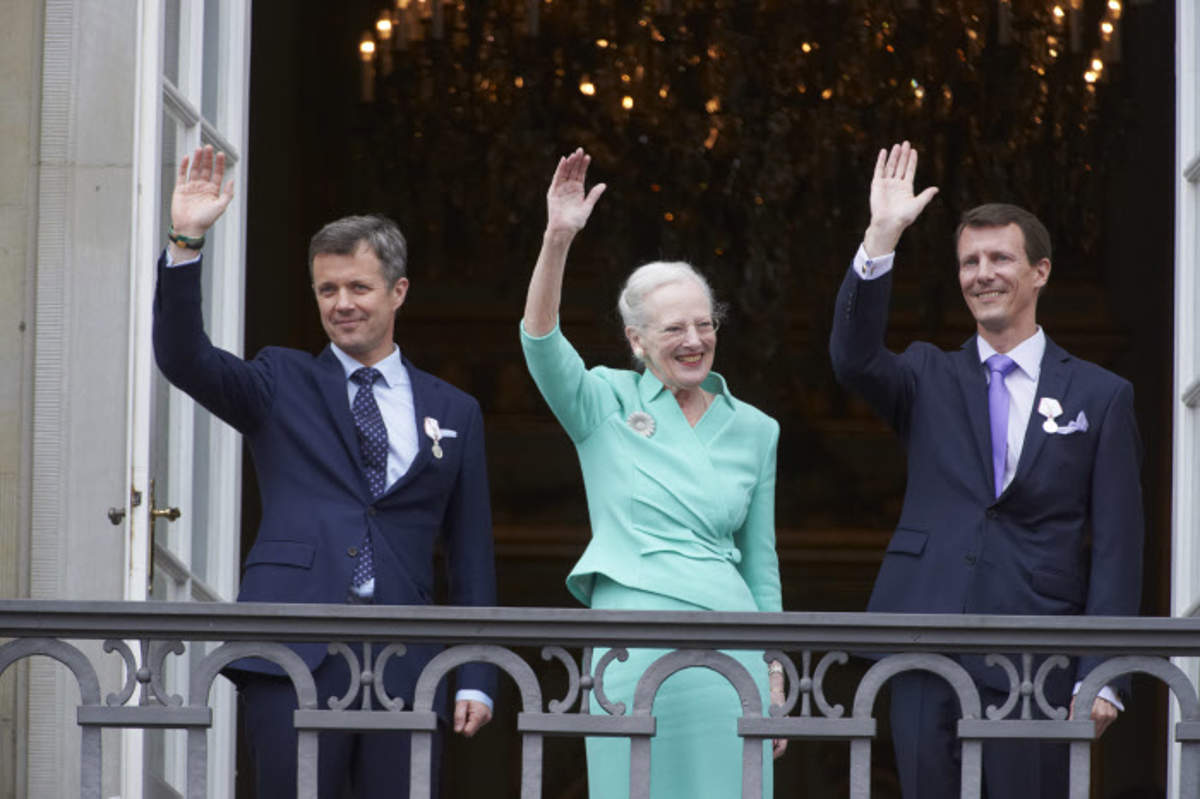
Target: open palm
(893, 205)
(892, 195)
(199, 198)
(568, 206)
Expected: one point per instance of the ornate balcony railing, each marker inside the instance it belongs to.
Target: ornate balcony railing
(905, 642)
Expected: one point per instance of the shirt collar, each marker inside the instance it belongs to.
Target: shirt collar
(649, 387)
(1027, 355)
(391, 368)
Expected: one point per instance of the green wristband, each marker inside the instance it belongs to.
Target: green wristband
(187, 242)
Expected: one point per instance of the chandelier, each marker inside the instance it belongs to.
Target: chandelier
(1046, 32)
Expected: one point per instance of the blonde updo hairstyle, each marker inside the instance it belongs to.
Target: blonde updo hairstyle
(644, 280)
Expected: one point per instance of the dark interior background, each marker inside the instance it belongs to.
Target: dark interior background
(747, 151)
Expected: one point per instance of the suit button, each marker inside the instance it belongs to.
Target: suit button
(352, 552)
(370, 510)
(970, 559)
(992, 513)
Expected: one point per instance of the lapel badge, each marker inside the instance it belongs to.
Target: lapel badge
(434, 431)
(1050, 408)
(641, 423)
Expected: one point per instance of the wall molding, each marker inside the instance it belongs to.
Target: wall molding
(50, 378)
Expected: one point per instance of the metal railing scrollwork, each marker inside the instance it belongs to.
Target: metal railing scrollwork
(895, 643)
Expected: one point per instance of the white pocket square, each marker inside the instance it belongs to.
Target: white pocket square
(1078, 425)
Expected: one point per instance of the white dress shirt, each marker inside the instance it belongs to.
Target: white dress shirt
(1021, 383)
(393, 395)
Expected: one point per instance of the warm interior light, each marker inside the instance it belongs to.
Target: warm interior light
(587, 87)
(1090, 76)
(627, 102)
(384, 26)
(1097, 65)
(367, 48)
(1058, 13)
(1106, 28)
(713, 105)
(806, 47)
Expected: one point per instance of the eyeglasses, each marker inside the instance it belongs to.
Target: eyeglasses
(678, 330)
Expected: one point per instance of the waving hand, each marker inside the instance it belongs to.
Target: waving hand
(567, 205)
(199, 198)
(893, 204)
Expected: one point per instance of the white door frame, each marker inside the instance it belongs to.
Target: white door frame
(1185, 510)
(172, 548)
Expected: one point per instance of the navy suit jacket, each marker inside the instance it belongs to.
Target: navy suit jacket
(1065, 536)
(293, 411)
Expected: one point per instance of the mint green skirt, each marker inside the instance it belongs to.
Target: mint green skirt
(696, 752)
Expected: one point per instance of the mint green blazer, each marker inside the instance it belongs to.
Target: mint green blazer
(685, 511)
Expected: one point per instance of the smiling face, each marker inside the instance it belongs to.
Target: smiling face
(999, 283)
(678, 342)
(358, 308)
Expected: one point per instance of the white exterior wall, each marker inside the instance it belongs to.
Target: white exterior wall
(82, 224)
(20, 67)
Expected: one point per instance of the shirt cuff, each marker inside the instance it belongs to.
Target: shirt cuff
(1105, 693)
(871, 268)
(171, 264)
(473, 695)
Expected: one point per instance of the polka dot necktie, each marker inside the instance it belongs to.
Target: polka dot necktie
(372, 441)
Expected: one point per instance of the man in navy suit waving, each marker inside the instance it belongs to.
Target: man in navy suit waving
(364, 463)
(1023, 493)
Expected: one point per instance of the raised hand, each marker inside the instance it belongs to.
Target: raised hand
(199, 198)
(567, 205)
(893, 205)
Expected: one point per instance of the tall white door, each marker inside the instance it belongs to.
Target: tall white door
(185, 476)
(1185, 521)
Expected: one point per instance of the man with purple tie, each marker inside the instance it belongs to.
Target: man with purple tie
(365, 464)
(1023, 492)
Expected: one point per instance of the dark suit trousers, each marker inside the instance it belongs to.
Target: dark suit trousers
(925, 714)
(362, 765)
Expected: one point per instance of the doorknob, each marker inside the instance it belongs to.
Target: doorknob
(168, 513)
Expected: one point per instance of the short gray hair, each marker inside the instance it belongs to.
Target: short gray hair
(344, 237)
(646, 278)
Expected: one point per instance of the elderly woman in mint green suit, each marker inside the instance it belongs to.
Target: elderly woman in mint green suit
(680, 479)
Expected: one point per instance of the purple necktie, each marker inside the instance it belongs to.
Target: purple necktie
(999, 366)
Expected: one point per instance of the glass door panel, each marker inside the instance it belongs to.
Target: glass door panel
(183, 459)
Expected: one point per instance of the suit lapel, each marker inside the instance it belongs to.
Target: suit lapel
(331, 378)
(973, 384)
(424, 391)
(1052, 382)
